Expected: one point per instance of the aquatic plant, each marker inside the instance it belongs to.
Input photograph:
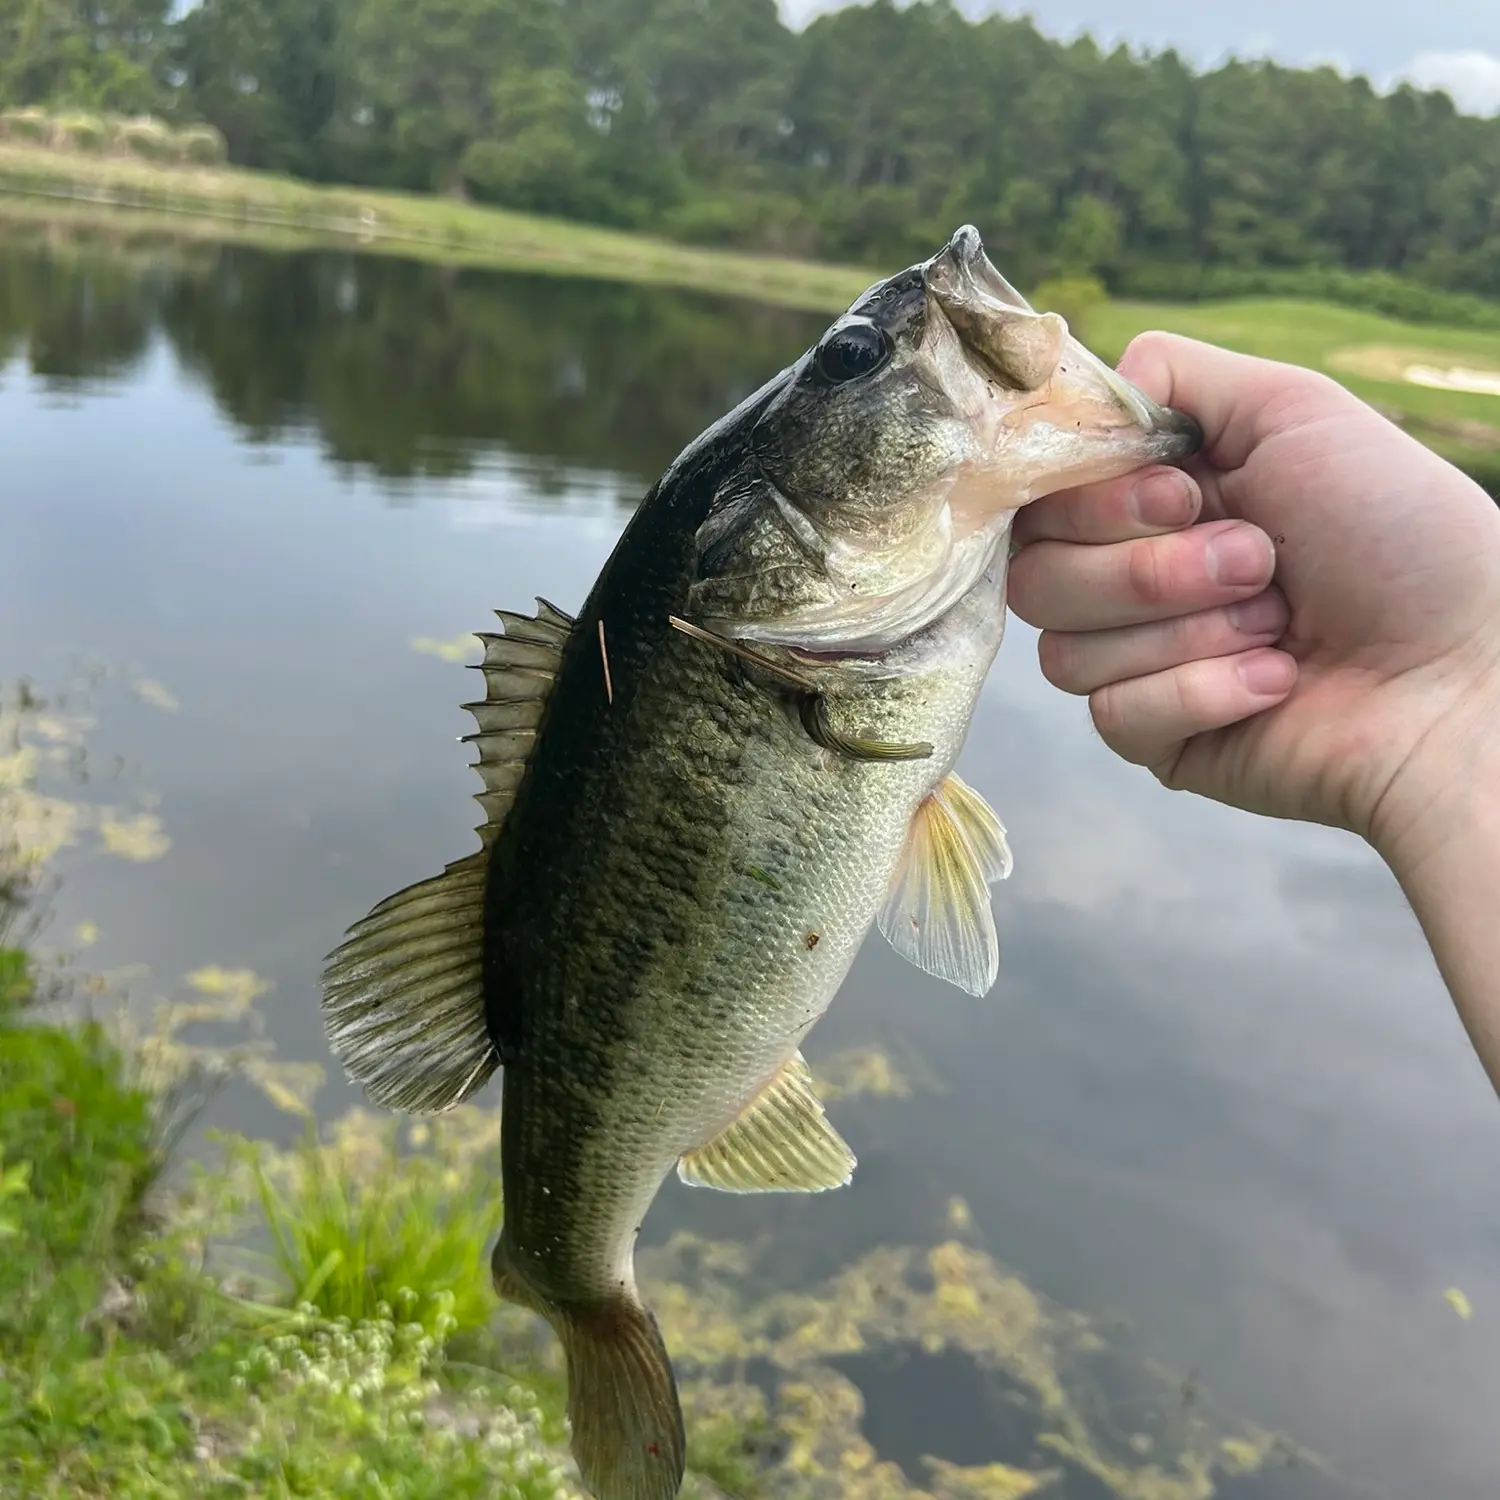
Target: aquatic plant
(1072, 1407)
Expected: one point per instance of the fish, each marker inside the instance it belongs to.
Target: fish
(702, 793)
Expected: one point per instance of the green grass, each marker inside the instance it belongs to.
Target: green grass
(127, 1372)
(357, 1225)
(1463, 427)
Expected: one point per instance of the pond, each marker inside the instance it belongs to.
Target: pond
(1218, 1091)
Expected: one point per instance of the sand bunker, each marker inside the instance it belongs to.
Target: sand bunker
(1436, 369)
(1455, 378)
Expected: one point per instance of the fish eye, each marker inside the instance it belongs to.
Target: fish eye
(851, 351)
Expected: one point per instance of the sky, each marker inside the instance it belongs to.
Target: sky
(1452, 44)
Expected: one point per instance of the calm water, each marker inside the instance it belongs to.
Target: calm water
(1218, 1089)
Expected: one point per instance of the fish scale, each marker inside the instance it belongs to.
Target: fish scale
(702, 794)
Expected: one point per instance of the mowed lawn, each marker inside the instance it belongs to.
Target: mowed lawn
(1367, 352)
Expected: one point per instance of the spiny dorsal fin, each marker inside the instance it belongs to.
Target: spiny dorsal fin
(519, 668)
(781, 1142)
(403, 995)
(938, 911)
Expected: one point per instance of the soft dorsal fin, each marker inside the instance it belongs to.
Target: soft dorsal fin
(519, 668)
(938, 911)
(781, 1142)
(403, 995)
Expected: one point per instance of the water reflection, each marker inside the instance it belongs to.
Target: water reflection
(1218, 1087)
(401, 369)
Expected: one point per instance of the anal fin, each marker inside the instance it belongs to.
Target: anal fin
(937, 914)
(781, 1142)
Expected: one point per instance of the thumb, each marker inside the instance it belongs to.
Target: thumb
(1239, 399)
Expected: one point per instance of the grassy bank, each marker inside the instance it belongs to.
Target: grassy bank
(411, 224)
(130, 1372)
(144, 200)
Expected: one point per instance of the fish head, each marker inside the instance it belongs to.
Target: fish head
(896, 451)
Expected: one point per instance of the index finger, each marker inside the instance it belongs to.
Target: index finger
(1146, 503)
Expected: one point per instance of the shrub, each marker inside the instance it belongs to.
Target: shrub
(1077, 298)
(81, 133)
(202, 146)
(147, 138)
(25, 125)
(1372, 291)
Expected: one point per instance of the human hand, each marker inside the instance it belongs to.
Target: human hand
(1357, 690)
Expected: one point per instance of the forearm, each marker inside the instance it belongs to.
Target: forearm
(1451, 877)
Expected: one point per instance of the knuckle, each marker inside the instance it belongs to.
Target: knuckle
(1109, 707)
(1057, 653)
(1018, 583)
(1153, 344)
(1191, 692)
(1203, 634)
(1147, 574)
(1039, 581)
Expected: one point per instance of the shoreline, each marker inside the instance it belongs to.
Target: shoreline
(414, 226)
(195, 204)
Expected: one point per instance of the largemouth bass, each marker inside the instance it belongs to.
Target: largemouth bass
(704, 791)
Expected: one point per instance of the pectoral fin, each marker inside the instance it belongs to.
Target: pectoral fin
(781, 1143)
(938, 911)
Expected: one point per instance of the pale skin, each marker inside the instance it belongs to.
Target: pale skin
(1360, 688)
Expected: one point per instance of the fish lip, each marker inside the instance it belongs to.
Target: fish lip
(964, 256)
(961, 278)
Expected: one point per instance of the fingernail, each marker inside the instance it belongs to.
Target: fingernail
(1239, 556)
(1267, 673)
(1163, 497)
(1257, 616)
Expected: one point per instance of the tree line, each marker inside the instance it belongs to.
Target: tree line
(868, 136)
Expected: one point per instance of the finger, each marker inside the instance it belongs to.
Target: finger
(1145, 503)
(1060, 586)
(1082, 661)
(1145, 719)
(1238, 399)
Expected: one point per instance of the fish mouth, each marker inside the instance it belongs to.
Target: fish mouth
(1050, 379)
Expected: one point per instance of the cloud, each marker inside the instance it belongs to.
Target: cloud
(797, 13)
(1472, 78)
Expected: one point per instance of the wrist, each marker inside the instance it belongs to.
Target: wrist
(1446, 792)
(1443, 845)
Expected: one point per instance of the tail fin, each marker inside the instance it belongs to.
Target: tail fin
(622, 1398)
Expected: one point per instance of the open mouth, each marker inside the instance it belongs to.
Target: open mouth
(1031, 352)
